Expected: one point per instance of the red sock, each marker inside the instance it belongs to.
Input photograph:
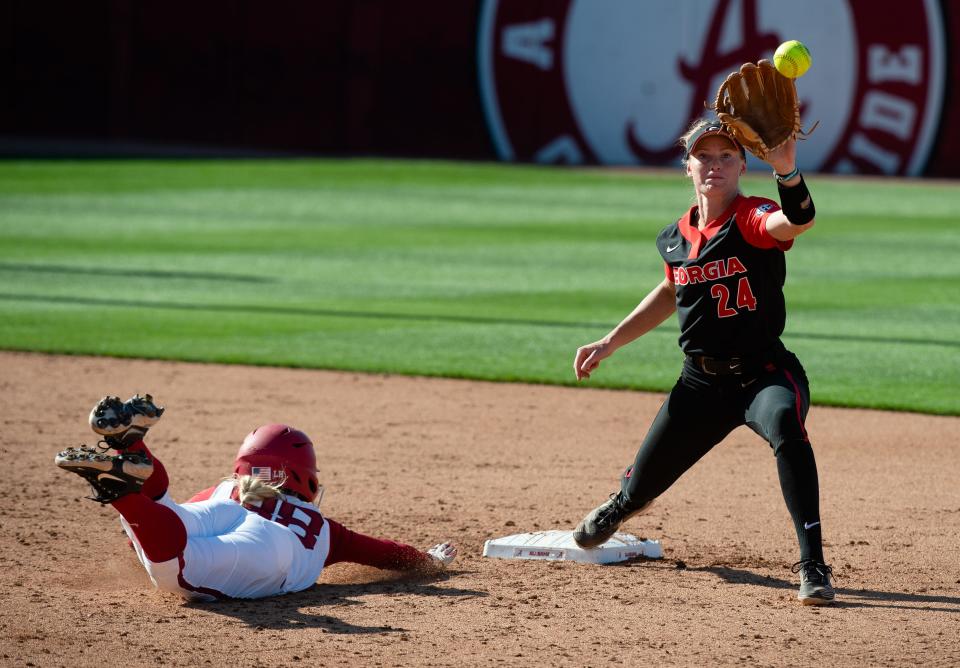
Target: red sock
(159, 531)
(156, 485)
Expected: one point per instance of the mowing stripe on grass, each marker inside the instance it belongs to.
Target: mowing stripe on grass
(468, 270)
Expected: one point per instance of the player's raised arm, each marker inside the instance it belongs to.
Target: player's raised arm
(797, 211)
(758, 105)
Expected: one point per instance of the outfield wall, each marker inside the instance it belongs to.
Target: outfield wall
(552, 81)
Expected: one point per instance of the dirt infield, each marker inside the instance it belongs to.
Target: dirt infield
(420, 460)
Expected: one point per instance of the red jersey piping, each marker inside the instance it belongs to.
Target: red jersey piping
(696, 236)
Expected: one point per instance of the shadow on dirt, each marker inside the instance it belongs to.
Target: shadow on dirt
(299, 609)
(846, 598)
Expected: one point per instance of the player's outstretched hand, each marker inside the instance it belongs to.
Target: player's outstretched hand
(443, 554)
(588, 358)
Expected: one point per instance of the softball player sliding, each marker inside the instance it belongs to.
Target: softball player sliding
(256, 534)
(724, 264)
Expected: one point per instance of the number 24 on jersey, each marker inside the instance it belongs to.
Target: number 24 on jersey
(745, 298)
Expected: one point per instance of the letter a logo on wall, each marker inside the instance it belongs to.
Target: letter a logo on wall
(618, 81)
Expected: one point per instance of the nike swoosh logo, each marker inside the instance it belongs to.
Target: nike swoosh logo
(810, 525)
(670, 250)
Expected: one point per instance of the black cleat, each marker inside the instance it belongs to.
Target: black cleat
(815, 586)
(602, 522)
(110, 476)
(123, 423)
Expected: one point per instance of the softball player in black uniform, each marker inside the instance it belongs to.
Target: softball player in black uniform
(724, 264)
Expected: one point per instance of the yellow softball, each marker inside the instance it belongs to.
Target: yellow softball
(792, 59)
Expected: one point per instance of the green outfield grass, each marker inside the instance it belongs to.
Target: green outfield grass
(467, 270)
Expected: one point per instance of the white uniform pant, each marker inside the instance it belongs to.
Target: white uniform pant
(230, 552)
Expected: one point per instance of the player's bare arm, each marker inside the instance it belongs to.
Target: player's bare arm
(653, 310)
(784, 162)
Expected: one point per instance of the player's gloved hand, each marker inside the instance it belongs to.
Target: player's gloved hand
(759, 106)
(124, 423)
(443, 554)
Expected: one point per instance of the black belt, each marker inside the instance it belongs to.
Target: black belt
(715, 366)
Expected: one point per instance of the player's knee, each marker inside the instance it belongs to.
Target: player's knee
(165, 575)
(783, 445)
(785, 427)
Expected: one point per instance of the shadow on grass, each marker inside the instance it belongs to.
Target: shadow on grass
(262, 309)
(846, 598)
(298, 610)
(131, 273)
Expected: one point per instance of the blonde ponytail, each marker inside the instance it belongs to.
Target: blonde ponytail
(253, 491)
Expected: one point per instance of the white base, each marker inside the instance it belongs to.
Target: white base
(560, 546)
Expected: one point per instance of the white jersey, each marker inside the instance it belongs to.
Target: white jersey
(231, 551)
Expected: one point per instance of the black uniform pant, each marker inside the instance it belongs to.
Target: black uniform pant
(702, 409)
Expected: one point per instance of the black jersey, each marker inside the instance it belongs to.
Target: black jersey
(729, 280)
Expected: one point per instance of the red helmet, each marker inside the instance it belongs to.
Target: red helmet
(280, 454)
